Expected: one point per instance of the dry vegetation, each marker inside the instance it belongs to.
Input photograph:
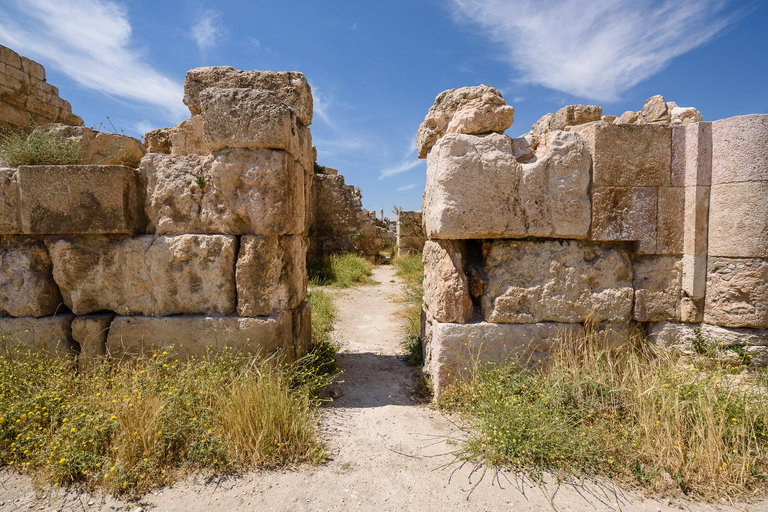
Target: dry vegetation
(411, 270)
(341, 271)
(36, 146)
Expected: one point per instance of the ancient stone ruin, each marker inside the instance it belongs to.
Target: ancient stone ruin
(410, 233)
(655, 220)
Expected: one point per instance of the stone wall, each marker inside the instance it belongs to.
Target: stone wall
(410, 233)
(658, 222)
(26, 98)
(204, 245)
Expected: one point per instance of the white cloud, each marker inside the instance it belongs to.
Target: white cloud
(594, 49)
(321, 104)
(409, 162)
(209, 30)
(89, 41)
(144, 126)
(406, 187)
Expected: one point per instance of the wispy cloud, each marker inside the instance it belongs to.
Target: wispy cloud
(406, 187)
(321, 104)
(209, 30)
(89, 41)
(410, 161)
(593, 48)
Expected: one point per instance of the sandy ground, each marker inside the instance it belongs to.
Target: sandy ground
(388, 453)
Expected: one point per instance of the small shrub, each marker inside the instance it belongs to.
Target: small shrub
(38, 147)
(341, 271)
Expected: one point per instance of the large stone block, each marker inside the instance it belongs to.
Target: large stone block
(271, 274)
(26, 278)
(147, 275)
(186, 138)
(657, 281)
(670, 229)
(90, 331)
(302, 329)
(52, 334)
(738, 220)
(683, 337)
(410, 233)
(556, 281)
(628, 155)
(102, 148)
(740, 149)
(737, 292)
(9, 202)
(235, 191)
(197, 335)
(473, 188)
(79, 199)
(554, 188)
(446, 291)
(572, 115)
(692, 155)
(696, 220)
(291, 87)
(456, 349)
(248, 118)
(624, 214)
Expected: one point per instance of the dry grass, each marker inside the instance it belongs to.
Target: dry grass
(341, 271)
(411, 270)
(37, 147)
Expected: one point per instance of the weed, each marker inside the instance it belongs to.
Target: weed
(341, 271)
(324, 347)
(411, 270)
(38, 147)
(200, 180)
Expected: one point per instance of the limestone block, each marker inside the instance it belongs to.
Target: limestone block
(608, 118)
(158, 141)
(694, 275)
(654, 110)
(469, 110)
(235, 191)
(79, 199)
(194, 336)
(90, 331)
(457, 348)
(696, 220)
(306, 155)
(657, 281)
(542, 125)
(681, 337)
(410, 233)
(629, 155)
(102, 148)
(473, 188)
(684, 115)
(628, 117)
(554, 188)
(737, 292)
(446, 291)
(625, 213)
(248, 118)
(147, 275)
(9, 202)
(291, 87)
(555, 281)
(740, 149)
(522, 148)
(271, 274)
(692, 154)
(691, 310)
(670, 218)
(53, 334)
(572, 115)
(302, 329)
(738, 220)
(26, 280)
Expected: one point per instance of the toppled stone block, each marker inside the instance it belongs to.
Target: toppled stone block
(625, 213)
(473, 188)
(684, 115)
(291, 87)
(737, 292)
(670, 228)
(523, 148)
(195, 336)
(9, 202)
(26, 279)
(446, 291)
(52, 334)
(608, 118)
(470, 110)
(657, 281)
(235, 191)
(555, 281)
(628, 117)
(101, 148)
(147, 275)
(740, 149)
(79, 199)
(90, 331)
(554, 188)
(654, 111)
(271, 274)
(572, 115)
(186, 138)
(738, 220)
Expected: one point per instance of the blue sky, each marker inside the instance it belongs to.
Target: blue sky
(376, 67)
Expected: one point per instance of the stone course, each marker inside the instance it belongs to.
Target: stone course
(410, 233)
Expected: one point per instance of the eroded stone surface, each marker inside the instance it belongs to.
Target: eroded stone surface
(625, 213)
(52, 334)
(26, 278)
(657, 282)
(446, 291)
(572, 115)
(102, 148)
(692, 155)
(90, 331)
(683, 337)
(9, 202)
(186, 138)
(737, 292)
(738, 219)
(302, 329)
(670, 227)
(410, 233)
(740, 149)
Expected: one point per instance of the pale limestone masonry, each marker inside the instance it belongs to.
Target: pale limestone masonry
(202, 246)
(410, 233)
(653, 219)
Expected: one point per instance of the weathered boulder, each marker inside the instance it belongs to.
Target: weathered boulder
(738, 220)
(473, 188)
(628, 117)
(291, 87)
(684, 115)
(271, 274)
(555, 281)
(52, 334)
(523, 148)
(470, 110)
(102, 148)
(147, 275)
(654, 110)
(608, 118)
(446, 291)
(572, 115)
(740, 149)
(186, 138)
(90, 332)
(657, 284)
(737, 292)
(9, 202)
(624, 214)
(26, 279)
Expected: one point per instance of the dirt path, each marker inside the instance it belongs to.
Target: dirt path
(387, 452)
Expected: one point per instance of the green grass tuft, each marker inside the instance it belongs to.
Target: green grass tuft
(411, 270)
(37, 147)
(341, 271)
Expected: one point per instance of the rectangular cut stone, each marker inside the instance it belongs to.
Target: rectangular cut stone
(410, 233)
(147, 275)
(473, 188)
(671, 220)
(678, 336)
(9, 202)
(556, 281)
(740, 149)
(189, 336)
(52, 334)
(623, 155)
(738, 220)
(691, 154)
(696, 225)
(446, 289)
(456, 350)
(694, 275)
(271, 274)
(625, 214)
(657, 284)
(79, 199)
(235, 191)
(737, 292)
(26, 278)
(90, 331)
